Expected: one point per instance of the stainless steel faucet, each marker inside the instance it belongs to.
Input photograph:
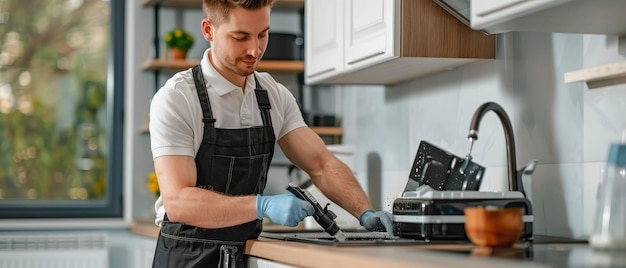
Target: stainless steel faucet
(515, 182)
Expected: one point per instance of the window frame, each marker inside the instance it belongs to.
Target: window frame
(113, 205)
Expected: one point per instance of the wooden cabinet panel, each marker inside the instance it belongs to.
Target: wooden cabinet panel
(430, 31)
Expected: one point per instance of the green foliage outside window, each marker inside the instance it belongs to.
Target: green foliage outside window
(53, 99)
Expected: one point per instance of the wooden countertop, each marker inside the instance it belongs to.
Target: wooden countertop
(312, 255)
(145, 228)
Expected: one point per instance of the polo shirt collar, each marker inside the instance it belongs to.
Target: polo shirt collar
(216, 81)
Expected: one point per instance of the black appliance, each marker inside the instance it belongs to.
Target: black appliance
(440, 186)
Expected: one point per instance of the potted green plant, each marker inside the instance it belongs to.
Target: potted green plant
(179, 42)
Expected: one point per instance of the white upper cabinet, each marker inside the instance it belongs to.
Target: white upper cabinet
(370, 31)
(385, 42)
(566, 16)
(323, 38)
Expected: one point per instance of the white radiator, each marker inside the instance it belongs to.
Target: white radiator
(54, 250)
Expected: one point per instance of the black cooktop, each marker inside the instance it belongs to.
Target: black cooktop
(354, 238)
(362, 237)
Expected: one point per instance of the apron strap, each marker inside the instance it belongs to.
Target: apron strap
(207, 113)
(263, 101)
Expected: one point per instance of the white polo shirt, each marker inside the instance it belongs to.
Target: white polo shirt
(176, 126)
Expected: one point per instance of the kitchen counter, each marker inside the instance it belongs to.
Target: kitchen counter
(541, 253)
(434, 255)
(311, 255)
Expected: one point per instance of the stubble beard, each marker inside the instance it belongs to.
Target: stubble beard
(233, 66)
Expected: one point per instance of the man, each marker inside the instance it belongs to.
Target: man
(213, 129)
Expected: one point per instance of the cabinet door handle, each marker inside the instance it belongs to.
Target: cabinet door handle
(321, 72)
(367, 57)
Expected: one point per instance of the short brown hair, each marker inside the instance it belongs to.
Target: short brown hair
(217, 10)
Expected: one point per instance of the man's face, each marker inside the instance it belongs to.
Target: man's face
(238, 44)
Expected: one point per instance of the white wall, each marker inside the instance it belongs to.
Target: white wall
(139, 89)
(567, 127)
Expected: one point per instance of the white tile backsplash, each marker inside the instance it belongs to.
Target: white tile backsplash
(600, 50)
(566, 127)
(558, 199)
(495, 179)
(604, 120)
(592, 178)
(603, 108)
(548, 113)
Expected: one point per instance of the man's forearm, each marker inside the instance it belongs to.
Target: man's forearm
(338, 183)
(209, 209)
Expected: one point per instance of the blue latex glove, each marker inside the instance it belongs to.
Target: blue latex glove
(379, 221)
(284, 209)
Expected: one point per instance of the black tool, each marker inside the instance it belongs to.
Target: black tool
(442, 170)
(323, 216)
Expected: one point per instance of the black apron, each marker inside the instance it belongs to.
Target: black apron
(230, 161)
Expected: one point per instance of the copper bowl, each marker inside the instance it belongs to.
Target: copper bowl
(493, 227)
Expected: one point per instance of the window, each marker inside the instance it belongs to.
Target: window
(61, 102)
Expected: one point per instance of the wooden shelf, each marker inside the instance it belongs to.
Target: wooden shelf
(174, 3)
(281, 66)
(328, 131)
(280, 4)
(264, 65)
(601, 76)
(172, 65)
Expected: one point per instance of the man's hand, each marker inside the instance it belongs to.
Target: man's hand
(377, 221)
(284, 209)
